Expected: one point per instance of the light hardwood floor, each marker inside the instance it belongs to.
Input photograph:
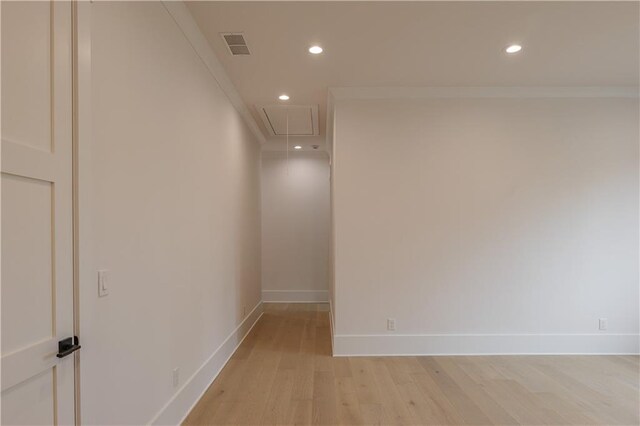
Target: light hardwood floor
(283, 373)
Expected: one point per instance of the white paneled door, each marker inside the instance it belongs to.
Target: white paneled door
(37, 223)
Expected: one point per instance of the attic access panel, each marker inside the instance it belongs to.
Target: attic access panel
(303, 119)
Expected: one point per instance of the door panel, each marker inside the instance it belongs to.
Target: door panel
(37, 239)
(27, 258)
(34, 393)
(28, 121)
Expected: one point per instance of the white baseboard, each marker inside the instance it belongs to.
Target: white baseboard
(485, 344)
(331, 324)
(295, 296)
(183, 401)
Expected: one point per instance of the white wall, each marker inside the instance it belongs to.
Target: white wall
(174, 216)
(486, 225)
(295, 226)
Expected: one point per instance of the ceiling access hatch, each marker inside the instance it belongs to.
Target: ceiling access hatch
(303, 119)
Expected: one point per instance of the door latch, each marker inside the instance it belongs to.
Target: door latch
(68, 346)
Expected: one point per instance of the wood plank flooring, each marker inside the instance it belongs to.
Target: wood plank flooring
(284, 374)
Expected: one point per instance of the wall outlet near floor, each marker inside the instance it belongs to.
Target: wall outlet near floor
(103, 283)
(176, 377)
(391, 324)
(603, 324)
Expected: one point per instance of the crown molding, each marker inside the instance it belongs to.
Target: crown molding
(183, 19)
(483, 92)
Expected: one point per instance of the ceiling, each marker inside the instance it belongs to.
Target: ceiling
(417, 44)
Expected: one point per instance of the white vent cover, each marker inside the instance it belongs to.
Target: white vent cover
(236, 43)
(303, 119)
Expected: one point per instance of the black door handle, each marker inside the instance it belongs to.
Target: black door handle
(67, 346)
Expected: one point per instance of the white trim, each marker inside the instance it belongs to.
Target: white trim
(482, 92)
(329, 129)
(298, 153)
(180, 405)
(84, 193)
(331, 325)
(295, 296)
(485, 344)
(183, 19)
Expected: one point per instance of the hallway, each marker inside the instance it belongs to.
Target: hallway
(283, 373)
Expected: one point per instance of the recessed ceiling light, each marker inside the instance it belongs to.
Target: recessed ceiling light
(283, 97)
(315, 50)
(514, 48)
(297, 147)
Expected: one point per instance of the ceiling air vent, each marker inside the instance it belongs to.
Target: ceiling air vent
(236, 43)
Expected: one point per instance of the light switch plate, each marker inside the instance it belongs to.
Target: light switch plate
(103, 283)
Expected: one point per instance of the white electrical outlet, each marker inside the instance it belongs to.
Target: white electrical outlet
(103, 283)
(603, 323)
(176, 377)
(391, 324)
